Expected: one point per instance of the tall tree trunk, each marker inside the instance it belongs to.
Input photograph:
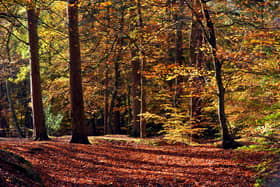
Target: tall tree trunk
(227, 139)
(117, 117)
(128, 101)
(114, 107)
(79, 128)
(196, 58)
(3, 122)
(142, 61)
(11, 106)
(107, 125)
(106, 100)
(135, 79)
(3, 126)
(135, 92)
(178, 17)
(115, 103)
(40, 130)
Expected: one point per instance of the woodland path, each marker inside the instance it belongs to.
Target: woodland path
(122, 161)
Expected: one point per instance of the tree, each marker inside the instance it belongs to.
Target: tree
(79, 131)
(142, 62)
(40, 130)
(135, 92)
(196, 61)
(137, 71)
(11, 105)
(135, 81)
(209, 32)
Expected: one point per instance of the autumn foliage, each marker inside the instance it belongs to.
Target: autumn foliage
(187, 71)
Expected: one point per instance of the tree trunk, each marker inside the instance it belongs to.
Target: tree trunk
(135, 92)
(142, 61)
(116, 102)
(117, 117)
(79, 129)
(196, 59)
(11, 106)
(135, 81)
(179, 58)
(106, 100)
(114, 107)
(128, 101)
(40, 131)
(227, 139)
(3, 125)
(14, 116)
(107, 125)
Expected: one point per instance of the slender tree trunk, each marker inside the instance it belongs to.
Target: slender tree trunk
(135, 92)
(107, 126)
(14, 116)
(11, 106)
(115, 103)
(117, 117)
(3, 126)
(142, 61)
(227, 139)
(79, 128)
(114, 107)
(40, 131)
(179, 59)
(196, 59)
(128, 98)
(179, 39)
(110, 119)
(3, 122)
(106, 100)
(135, 80)
(169, 18)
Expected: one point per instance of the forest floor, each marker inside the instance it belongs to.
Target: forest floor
(122, 161)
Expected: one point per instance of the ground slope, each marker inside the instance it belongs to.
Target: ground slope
(16, 171)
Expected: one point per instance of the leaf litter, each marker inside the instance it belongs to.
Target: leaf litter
(129, 163)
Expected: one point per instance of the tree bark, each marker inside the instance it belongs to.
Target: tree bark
(14, 116)
(179, 58)
(115, 102)
(3, 122)
(79, 129)
(107, 126)
(106, 100)
(142, 62)
(227, 139)
(135, 80)
(196, 59)
(39, 127)
(114, 107)
(135, 92)
(11, 106)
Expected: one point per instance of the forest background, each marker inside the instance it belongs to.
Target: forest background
(148, 68)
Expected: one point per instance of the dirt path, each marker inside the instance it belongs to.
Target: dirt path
(111, 162)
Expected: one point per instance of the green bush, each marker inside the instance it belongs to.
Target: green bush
(53, 121)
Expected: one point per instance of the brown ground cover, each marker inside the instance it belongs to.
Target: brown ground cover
(128, 163)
